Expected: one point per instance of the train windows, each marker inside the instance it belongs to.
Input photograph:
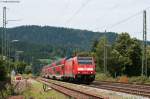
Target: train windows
(85, 60)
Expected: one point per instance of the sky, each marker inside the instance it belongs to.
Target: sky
(94, 15)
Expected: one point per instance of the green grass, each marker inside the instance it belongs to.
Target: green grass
(36, 92)
(104, 77)
(140, 80)
(134, 79)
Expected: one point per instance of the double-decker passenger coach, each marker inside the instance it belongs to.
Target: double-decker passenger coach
(79, 69)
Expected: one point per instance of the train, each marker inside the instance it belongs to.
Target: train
(74, 69)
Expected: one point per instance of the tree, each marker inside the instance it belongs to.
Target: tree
(148, 59)
(94, 46)
(20, 67)
(135, 53)
(28, 69)
(100, 53)
(3, 71)
(37, 67)
(128, 51)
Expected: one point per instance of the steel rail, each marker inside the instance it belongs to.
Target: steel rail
(142, 90)
(74, 93)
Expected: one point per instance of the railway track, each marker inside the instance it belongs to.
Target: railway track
(141, 90)
(74, 93)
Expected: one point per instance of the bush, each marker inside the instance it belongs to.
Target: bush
(147, 81)
(123, 79)
(139, 80)
(104, 77)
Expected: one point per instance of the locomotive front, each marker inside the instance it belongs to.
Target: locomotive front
(85, 69)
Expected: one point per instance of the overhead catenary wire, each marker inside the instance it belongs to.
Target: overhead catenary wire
(124, 20)
(120, 22)
(78, 11)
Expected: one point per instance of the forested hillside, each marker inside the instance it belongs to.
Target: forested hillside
(43, 42)
(57, 36)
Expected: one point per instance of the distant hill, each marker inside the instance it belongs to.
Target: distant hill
(48, 41)
(56, 36)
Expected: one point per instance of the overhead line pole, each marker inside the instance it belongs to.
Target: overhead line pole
(2, 38)
(4, 33)
(5, 37)
(105, 53)
(4, 48)
(145, 28)
(144, 52)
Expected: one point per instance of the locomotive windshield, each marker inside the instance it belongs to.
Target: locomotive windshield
(85, 60)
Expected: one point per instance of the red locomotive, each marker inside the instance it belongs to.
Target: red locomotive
(79, 69)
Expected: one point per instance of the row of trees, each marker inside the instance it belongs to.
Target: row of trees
(124, 57)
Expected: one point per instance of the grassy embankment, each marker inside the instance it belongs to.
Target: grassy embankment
(135, 79)
(36, 92)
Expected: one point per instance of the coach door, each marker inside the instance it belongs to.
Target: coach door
(69, 68)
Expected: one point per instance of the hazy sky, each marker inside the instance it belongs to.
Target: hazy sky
(95, 15)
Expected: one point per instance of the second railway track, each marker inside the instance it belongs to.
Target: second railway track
(141, 90)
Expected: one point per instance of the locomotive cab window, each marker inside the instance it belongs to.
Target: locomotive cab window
(85, 60)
